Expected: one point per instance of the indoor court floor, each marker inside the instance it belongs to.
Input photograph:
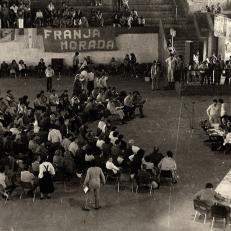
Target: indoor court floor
(167, 125)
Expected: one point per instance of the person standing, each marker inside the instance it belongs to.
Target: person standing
(46, 172)
(133, 65)
(213, 112)
(155, 75)
(76, 62)
(171, 67)
(92, 181)
(224, 109)
(49, 72)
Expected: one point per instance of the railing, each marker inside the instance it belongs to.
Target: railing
(201, 77)
(176, 9)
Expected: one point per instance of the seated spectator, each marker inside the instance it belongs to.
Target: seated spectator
(22, 69)
(112, 167)
(116, 21)
(51, 7)
(5, 16)
(58, 160)
(218, 8)
(145, 177)
(155, 156)
(111, 107)
(99, 18)
(208, 195)
(84, 22)
(125, 5)
(4, 69)
(39, 18)
(169, 164)
(29, 178)
(141, 21)
(54, 98)
(13, 69)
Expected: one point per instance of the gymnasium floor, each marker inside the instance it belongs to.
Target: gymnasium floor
(166, 125)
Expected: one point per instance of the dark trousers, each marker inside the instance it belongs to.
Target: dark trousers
(49, 84)
(96, 196)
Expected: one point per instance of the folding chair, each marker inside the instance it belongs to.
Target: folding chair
(110, 175)
(26, 186)
(219, 212)
(144, 182)
(167, 175)
(201, 208)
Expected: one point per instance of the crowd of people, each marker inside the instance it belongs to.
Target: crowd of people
(22, 14)
(213, 70)
(218, 126)
(214, 9)
(53, 136)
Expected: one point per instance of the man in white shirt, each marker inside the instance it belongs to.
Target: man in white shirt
(168, 164)
(49, 72)
(129, 108)
(102, 125)
(100, 142)
(54, 136)
(213, 112)
(111, 166)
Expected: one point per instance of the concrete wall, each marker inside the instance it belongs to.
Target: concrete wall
(145, 46)
(198, 5)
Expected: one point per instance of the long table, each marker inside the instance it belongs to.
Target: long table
(224, 188)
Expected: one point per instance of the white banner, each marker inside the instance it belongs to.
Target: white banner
(220, 26)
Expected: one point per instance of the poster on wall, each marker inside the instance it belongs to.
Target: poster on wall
(85, 39)
(220, 23)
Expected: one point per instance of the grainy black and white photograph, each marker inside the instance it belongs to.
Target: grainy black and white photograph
(115, 115)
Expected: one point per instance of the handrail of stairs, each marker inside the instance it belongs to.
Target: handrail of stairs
(176, 9)
(163, 51)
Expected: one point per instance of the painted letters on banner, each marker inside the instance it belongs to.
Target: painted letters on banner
(85, 39)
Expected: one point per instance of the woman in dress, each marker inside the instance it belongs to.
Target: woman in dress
(46, 173)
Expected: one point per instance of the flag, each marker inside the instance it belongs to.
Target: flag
(31, 37)
(7, 35)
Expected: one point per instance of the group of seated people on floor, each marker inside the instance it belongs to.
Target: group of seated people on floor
(218, 126)
(53, 139)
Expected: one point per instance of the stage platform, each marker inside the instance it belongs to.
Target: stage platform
(197, 89)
